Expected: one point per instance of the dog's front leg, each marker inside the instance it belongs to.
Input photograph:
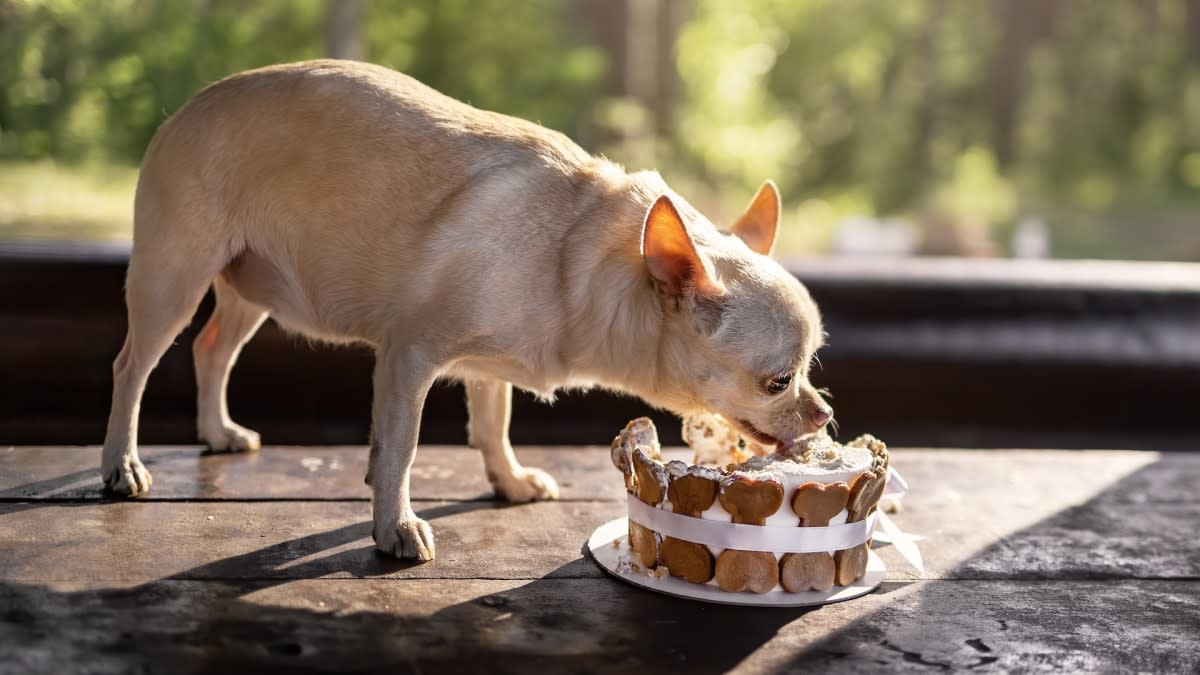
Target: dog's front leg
(403, 376)
(489, 404)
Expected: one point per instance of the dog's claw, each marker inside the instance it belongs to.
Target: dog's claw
(129, 478)
(410, 538)
(526, 485)
(233, 438)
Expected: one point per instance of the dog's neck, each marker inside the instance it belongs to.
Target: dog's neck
(618, 330)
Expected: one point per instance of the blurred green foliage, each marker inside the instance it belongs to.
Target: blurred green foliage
(93, 79)
(874, 107)
(1083, 113)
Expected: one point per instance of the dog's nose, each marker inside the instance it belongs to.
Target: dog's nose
(822, 415)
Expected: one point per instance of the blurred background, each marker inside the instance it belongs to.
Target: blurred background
(1029, 128)
(974, 191)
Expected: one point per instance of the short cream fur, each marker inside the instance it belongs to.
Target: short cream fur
(352, 203)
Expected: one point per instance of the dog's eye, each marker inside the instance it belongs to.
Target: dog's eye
(779, 383)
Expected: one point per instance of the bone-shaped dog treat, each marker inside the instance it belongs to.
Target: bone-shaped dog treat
(750, 501)
(755, 571)
(818, 503)
(644, 543)
(800, 572)
(621, 460)
(865, 495)
(692, 561)
(851, 564)
(691, 494)
(651, 478)
(638, 433)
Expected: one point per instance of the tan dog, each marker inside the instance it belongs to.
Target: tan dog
(352, 203)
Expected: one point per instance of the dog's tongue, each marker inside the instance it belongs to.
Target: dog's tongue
(783, 446)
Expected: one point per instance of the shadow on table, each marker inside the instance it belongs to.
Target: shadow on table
(86, 483)
(192, 621)
(565, 621)
(1106, 585)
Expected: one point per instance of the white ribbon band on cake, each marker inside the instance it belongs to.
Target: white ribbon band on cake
(781, 539)
(750, 537)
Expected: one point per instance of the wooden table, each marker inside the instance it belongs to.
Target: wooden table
(1035, 560)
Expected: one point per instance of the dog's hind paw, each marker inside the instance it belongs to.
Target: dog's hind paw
(526, 485)
(127, 478)
(232, 438)
(409, 538)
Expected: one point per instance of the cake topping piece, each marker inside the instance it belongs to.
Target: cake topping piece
(651, 478)
(639, 433)
(686, 559)
(865, 494)
(676, 468)
(750, 501)
(877, 447)
(691, 494)
(716, 442)
(644, 543)
(851, 564)
(746, 571)
(818, 503)
(799, 572)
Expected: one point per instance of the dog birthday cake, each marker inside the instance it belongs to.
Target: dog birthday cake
(745, 517)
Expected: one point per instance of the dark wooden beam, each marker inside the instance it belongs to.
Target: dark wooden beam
(974, 353)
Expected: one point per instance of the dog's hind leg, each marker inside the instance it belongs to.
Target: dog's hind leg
(161, 293)
(489, 404)
(234, 321)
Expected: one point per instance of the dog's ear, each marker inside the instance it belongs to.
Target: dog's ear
(671, 257)
(759, 224)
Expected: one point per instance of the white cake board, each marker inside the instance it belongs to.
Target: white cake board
(610, 559)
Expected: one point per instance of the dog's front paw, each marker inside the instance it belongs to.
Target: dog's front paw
(409, 538)
(526, 485)
(231, 438)
(127, 477)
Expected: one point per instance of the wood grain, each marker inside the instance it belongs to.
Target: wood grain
(1035, 561)
(592, 625)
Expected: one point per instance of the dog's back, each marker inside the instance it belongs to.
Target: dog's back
(328, 184)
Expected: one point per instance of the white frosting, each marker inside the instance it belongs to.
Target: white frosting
(826, 466)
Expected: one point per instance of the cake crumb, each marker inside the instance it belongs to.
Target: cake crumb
(661, 571)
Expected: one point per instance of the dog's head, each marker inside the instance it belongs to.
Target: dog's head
(741, 332)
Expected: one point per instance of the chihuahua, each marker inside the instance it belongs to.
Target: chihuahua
(354, 204)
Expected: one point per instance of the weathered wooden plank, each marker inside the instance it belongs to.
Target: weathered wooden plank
(129, 543)
(943, 477)
(1052, 514)
(185, 472)
(592, 625)
(950, 476)
(134, 542)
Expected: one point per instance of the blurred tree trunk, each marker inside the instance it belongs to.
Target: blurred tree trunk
(930, 51)
(1192, 9)
(638, 37)
(343, 29)
(1023, 24)
(672, 15)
